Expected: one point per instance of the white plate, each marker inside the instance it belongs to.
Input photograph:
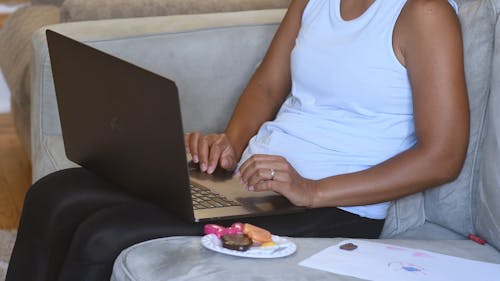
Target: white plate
(283, 248)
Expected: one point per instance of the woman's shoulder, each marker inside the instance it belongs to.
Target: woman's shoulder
(418, 11)
(428, 21)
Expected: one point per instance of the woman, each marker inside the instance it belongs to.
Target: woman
(356, 103)
(381, 115)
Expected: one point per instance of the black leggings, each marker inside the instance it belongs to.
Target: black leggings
(75, 224)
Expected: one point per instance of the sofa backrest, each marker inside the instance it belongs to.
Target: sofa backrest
(210, 67)
(487, 199)
(468, 205)
(79, 10)
(210, 57)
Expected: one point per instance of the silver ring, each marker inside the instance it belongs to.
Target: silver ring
(273, 173)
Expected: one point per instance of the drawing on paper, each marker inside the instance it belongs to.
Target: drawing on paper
(408, 267)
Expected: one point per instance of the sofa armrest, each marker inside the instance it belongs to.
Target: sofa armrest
(81, 10)
(209, 56)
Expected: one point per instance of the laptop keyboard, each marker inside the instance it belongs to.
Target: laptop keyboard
(204, 198)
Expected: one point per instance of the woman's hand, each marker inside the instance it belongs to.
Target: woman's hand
(210, 150)
(268, 172)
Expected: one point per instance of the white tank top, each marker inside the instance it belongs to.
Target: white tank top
(350, 106)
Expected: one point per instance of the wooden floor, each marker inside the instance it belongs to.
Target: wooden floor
(15, 174)
(2, 19)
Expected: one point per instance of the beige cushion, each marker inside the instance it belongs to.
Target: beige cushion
(47, 2)
(79, 10)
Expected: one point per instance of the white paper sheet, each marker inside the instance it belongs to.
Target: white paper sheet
(377, 261)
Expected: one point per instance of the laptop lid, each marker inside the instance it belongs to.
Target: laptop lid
(116, 121)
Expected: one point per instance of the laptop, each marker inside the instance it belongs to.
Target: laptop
(123, 123)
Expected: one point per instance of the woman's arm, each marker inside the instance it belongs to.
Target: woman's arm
(259, 102)
(270, 84)
(428, 41)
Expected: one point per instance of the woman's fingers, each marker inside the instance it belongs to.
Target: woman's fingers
(274, 173)
(210, 150)
(260, 175)
(228, 161)
(260, 168)
(281, 187)
(215, 154)
(298, 194)
(186, 142)
(193, 146)
(221, 153)
(203, 152)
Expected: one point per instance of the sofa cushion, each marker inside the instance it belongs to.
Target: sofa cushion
(429, 231)
(404, 214)
(451, 205)
(78, 10)
(487, 217)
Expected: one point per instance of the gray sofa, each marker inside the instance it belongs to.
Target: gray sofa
(211, 57)
(16, 34)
